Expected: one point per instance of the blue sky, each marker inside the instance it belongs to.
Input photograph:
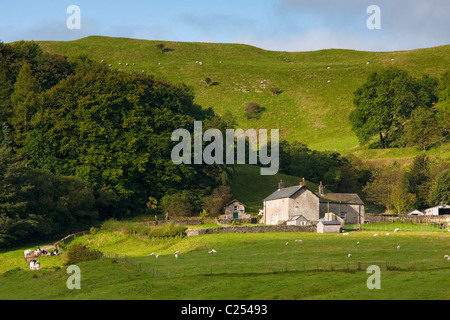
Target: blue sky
(285, 25)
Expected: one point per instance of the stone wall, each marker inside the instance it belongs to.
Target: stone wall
(251, 229)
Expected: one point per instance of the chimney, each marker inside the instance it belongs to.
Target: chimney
(304, 182)
(280, 185)
(321, 189)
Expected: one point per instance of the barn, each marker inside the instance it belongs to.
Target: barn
(442, 209)
(235, 210)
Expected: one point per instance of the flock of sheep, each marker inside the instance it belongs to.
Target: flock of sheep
(35, 264)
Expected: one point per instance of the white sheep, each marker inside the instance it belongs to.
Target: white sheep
(176, 252)
(357, 243)
(345, 234)
(287, 243)
(127, 64)
(329, 81)
(398, 247)
(387, 234)
(367, 62)
(200, 63)
(397, 230)
(349, 255)
(157, 256)
(328, 67)
(176, 256)
(375, 235)
(152, 254)
(446, 256)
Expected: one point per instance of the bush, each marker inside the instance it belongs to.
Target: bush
(79, 253)
(168, 230)
(253, 110)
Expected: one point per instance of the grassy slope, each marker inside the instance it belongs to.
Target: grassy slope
(310, 109)
(250, 267)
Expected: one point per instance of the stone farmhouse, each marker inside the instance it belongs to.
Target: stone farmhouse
(288, 202)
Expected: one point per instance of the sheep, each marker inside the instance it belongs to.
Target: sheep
(38, 265)
(298, 240)
(212, 251)
(329, 81)
(398, 247)
(152, 254)
(446, 256)
(367, 62)
(157, 256)
(357, 243)
(345, 234)
(127, 64)
(143, 71)
(32, 265)
(200, 63)
(103, 60)
(287, 243)
(120, 63)
(176, 256)
(375, 235)
(110, 65)
(349, 255)
(387, 234)
(328, 67)
(397, 230)
(176, 252)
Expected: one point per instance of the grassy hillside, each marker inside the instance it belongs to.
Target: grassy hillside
(317, 86)
(251, 266)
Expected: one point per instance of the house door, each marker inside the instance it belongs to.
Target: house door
(235, 215)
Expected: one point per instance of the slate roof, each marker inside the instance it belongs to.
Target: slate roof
(284, 192)
(299, 217)
(349, 198)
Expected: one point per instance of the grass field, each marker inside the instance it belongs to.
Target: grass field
(316, 100)
(246, 266)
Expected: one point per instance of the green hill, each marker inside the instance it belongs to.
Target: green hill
(317, 87)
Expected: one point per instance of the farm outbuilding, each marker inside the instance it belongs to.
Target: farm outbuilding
(235, 210)
(414, 212)
(325, 226)
(298, 220)
(442, 209)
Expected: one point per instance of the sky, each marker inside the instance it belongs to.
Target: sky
(281, 25)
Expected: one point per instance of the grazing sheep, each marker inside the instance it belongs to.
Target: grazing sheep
(446, 256)
(176, 252)
(157, 256)
(357, 243)
(127, 64)
(298, 240)
(120, 63)
(328, 67)
(287, 243)
(200, 63)
(345, 234)
(110, 65)
(103, 60)
(375, 235)
(143, 71)
(367, 62)
(329, 81)
(349, 255)
(176, 256)
(398, 247)
(387, 234)
(397, 230)
(152, 254)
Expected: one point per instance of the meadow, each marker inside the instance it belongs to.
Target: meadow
(246, 266)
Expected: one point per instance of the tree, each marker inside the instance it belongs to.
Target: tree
(401, 199)
(208, 81)
(161, 47)
(177, 204)
(23, 99)
(252, 110)
(384, 102)
(422, 129)
(215, 202)
(440, 191)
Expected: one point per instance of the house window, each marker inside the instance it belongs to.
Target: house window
(235, 208)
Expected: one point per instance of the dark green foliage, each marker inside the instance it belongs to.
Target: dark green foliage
(113, 131)
(80, 253)
(440, 191)
(215, 202)
(385, 101)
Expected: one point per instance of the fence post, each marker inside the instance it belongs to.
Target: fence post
(359, 265)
